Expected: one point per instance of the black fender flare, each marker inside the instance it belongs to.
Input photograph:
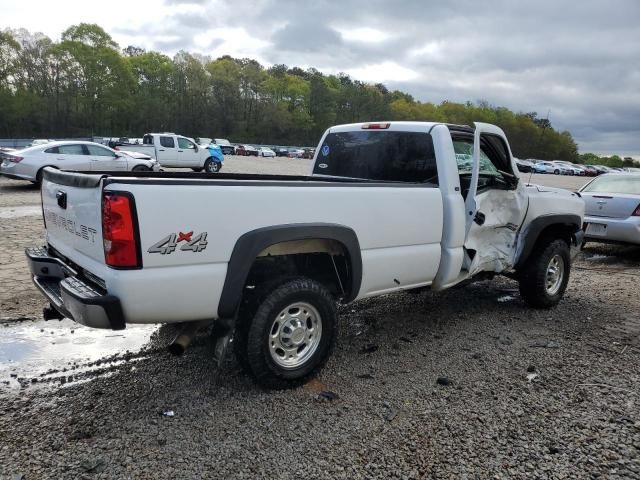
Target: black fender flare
(250, 244)
(573, 223)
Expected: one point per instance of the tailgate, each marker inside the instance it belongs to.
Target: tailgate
(72, 204)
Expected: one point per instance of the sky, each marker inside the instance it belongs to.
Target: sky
(576, 60)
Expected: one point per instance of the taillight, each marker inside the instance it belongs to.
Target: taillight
(636, 212)
(120, 231)
(14, 158)
(376, 126)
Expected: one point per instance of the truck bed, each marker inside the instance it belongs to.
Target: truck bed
(398, 227)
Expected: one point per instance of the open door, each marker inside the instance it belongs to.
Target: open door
(495, 200)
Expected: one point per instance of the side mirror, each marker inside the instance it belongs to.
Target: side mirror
(120, 155)
(196, 149)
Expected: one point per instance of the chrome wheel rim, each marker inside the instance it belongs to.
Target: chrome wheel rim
(213, 168)
(555, 274)
(295, 335)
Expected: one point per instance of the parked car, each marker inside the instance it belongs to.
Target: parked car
(281, 152)
(40, 141)
(176, 151)
(266, 152)
(308, 153)
(250, 151)
(573, 169)
(560, 168)
(545, 167)
(268, 268)
(29, 163)
(225, 146)
(589, 171)
(612, 208)
(600, 169)
(525, 166)
(295, 153)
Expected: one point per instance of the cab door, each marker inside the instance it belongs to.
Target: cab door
(167, 151)
(496, 202)
(188, 153)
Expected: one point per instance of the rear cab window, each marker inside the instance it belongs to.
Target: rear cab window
(387, 155)
(167, 142)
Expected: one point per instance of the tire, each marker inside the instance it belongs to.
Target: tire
(39, 175)
(556, 172)
(298, 315)
(38, 181)
(140, 168)
(544, 278)
(211, 166)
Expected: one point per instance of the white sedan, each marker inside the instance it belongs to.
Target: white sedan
(266, 152)
(28, 163)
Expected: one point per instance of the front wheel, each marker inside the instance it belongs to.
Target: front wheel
(290, 335)
(544, 278)
(556, 172)
(141, 168)
(211, 166)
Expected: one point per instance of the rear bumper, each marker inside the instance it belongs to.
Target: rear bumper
(15, 176)
(72, 296)
(619, 230)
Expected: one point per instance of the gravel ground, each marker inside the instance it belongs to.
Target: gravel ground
(522, 393)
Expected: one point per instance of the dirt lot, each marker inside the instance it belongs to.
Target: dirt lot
(530, 394)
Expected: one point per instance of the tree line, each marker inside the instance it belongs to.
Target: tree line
(85, 85)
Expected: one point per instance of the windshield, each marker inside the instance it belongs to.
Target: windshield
(378, 155)
(624, 184)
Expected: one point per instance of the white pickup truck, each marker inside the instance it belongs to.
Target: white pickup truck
(176, 151)
(387, 207)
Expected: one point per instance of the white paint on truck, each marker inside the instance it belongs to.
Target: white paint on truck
(410, 234)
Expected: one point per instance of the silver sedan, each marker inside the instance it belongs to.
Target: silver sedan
(612, 208)
(29, 163)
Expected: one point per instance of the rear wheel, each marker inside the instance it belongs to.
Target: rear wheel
(288, 333)
(544, 278)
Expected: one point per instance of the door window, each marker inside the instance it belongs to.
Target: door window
(167, 142)
(495, 170)
(100, 152)
(185, 144)
(75, 149)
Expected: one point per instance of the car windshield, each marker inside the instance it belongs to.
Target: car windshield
(624, 184)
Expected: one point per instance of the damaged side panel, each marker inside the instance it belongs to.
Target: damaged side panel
(494, 231)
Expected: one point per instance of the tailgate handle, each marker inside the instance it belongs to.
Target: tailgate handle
(61, 197)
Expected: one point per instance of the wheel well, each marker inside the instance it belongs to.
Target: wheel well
(544, 232)
(323, 260)
(40, 171)
(557, 231)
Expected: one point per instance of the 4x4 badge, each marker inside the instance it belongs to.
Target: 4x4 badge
(169, 243)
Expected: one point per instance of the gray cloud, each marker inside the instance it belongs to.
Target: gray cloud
(577, 59)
